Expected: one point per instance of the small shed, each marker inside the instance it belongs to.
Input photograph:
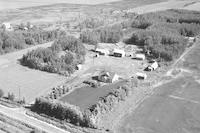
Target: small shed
(140, 56)
(102, 51)
(108, 77)
(141, 75)
(119, 53)
(191, 39)
(79, 67)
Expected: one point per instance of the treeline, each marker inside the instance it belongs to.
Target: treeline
(62, 57)
(107, 34)
(33, 37)
(163, 33)
(15, 40)
(65, 112)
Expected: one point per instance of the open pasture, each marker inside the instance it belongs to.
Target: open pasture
(174, 107)
(22, 81)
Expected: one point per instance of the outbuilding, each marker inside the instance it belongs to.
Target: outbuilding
(141, 75)
(102, 51)
(119, 53)
(140, 56)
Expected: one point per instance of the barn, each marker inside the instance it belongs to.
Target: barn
(119, 53)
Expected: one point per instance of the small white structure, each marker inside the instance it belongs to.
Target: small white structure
(102, 51)
(108, 77)
(140, 56)
(79, 67)
(7, 26)
(191, 39)
(153, 66)
(119, 53)
(141, 75)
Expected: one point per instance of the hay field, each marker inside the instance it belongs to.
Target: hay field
(29, 83)
(13, 4)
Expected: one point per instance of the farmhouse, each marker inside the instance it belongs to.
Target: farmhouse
(119, 53)
(102, 51)
(153, 66)
(141, 75)
(108, 77)
(140, 56)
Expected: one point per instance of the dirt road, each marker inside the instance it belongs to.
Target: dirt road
(21, 80)
(19, 114)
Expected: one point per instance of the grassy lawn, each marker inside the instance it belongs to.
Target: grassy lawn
(86, 96)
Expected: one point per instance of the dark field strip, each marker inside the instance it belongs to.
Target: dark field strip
(86, 96)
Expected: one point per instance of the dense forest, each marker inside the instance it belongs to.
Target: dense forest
(20, 39)
(62, 57)
(107, 34)
(164, 32)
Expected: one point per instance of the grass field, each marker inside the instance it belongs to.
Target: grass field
(174, 107)
(22, 81)
(53, 13)
(86, 96)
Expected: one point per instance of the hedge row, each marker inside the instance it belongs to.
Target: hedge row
(66, 112)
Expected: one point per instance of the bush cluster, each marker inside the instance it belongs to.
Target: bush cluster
(48, 59)
(106, 103)
(66, 112)
(58, 92)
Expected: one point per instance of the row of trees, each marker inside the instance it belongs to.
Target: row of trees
(66, 112)
(106, 103)
(15, 40)
(49, 59)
